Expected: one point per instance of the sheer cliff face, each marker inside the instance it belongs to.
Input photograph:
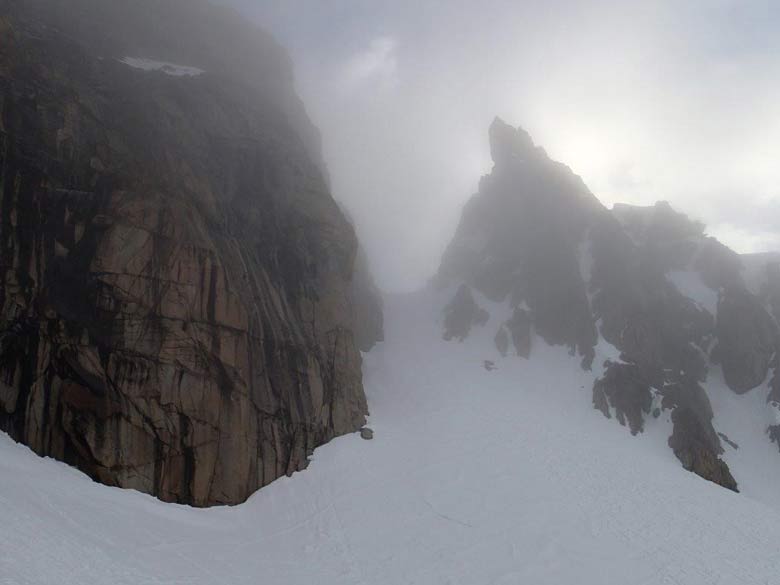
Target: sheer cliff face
(176, 279)
(647, 281)
(519, 239)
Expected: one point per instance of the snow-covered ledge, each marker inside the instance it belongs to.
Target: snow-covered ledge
(162, 66)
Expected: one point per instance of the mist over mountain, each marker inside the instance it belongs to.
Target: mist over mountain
(203, 376)
(647, 102)
(670, 301)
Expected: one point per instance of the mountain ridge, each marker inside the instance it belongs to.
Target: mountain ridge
(648, 281)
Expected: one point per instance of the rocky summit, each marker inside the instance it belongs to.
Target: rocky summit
(646, 282)
(177, 284)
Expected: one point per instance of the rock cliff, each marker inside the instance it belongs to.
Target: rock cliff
(647, 281)
(175, 277)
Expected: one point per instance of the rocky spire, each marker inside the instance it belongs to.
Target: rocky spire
(663, 293)
(508, 143)
(518, 240)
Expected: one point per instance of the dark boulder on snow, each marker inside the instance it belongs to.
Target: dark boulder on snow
(694, 439)
(461, 314)
(692, 444)
(695, 442)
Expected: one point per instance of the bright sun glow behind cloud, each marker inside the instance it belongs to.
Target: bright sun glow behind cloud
(646, 100)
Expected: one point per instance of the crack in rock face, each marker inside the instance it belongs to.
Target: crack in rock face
(176, 295)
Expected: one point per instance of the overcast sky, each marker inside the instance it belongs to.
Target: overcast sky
(676, 100)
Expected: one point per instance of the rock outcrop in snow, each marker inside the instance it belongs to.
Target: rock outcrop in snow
(461, 314)
(176, 295)
(646, 281)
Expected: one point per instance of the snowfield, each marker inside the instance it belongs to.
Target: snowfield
(502, 477)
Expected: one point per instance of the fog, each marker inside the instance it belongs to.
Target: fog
(645, 100)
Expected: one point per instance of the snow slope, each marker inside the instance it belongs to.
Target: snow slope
(474, 477)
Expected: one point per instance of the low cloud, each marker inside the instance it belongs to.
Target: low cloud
(375, 66)
(647, 101)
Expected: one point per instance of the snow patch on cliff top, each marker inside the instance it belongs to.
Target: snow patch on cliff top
(162, 66)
